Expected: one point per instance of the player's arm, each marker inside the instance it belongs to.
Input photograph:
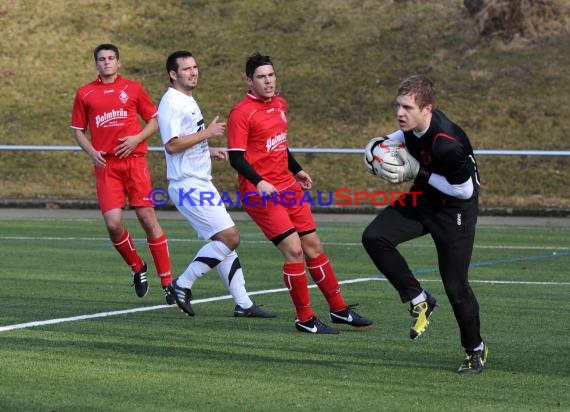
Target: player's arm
(456, 179)
(180, 143)
(300, 175)
(147, 111)
(79, 125)
(85, 144)
(396, 137)
(129, 143)
(244, 168)
(218, 153)
(293, 166)
(461, 191)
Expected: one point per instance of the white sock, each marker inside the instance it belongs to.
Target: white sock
(420, 298)
(480, 347)
(231, 274)
(208, 257)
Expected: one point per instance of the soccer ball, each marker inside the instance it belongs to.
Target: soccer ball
(382, 151)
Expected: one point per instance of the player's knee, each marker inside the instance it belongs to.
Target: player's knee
(297, 253)
(372, 238)
(115, 228)
(230, 237)
(233, 241)
(368, 238)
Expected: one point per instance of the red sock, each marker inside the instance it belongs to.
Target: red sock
(126, 248)
(323, 275)
(296, 281)
(159, 251)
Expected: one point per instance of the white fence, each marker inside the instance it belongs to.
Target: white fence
(320, 150)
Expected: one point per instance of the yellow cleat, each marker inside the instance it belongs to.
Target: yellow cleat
(420, 316)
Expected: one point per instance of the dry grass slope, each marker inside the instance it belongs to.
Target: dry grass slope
(509, 19)
(338, 62)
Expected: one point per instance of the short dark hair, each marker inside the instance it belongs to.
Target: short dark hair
(171, 61)
(421, 87)
(254, 61)
(105, 46)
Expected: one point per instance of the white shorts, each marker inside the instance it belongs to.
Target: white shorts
(201, 205)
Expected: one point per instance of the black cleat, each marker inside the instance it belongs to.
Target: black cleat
(170, 299)
(139, 281)
(314, 325)
(350, 317)
(182, 296)
(253, 312)
(474, 361)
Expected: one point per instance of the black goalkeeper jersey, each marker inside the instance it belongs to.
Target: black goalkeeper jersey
(444, 149)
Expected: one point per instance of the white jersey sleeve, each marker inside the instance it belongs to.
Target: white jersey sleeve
(397, 137)
(460, 191)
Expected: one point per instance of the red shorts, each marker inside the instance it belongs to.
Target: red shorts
(281, 213)
(122, 179)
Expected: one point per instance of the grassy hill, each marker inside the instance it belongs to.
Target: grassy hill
(338, 62)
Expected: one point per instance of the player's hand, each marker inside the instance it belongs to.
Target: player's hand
(265, 188)
(304, 180)
(127, 146)
(216, 128)
(218, 153)
(411, 165)
(98, 159)
(398, 174)
(368, 158)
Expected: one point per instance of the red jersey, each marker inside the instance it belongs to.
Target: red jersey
(260, 129)
(110, 111)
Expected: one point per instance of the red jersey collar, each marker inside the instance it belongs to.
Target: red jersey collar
(116, 79)
(257, 99)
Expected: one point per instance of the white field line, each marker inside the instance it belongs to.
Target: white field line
(262, 241)
(225, 297)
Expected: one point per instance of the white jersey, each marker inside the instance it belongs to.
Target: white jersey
(180, 115)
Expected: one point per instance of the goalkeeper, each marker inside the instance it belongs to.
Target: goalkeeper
(438, 157)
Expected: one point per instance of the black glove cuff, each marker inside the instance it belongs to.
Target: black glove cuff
(423, 175)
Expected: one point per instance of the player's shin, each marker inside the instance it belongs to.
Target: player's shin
(323, 275)
(231, 274)
(159, 250)
(295, 279)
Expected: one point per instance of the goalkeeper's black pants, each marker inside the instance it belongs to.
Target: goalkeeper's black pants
(452, 229)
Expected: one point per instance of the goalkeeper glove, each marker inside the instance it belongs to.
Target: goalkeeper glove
(398, 174)
(368, 156)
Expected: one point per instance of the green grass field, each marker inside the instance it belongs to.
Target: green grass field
(141, 355)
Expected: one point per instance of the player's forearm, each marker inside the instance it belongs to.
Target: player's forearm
(180, 143)
(148, 130)
(83, 141)
(242, 166)
(293, 166)
(461, 191)
(396, 137)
